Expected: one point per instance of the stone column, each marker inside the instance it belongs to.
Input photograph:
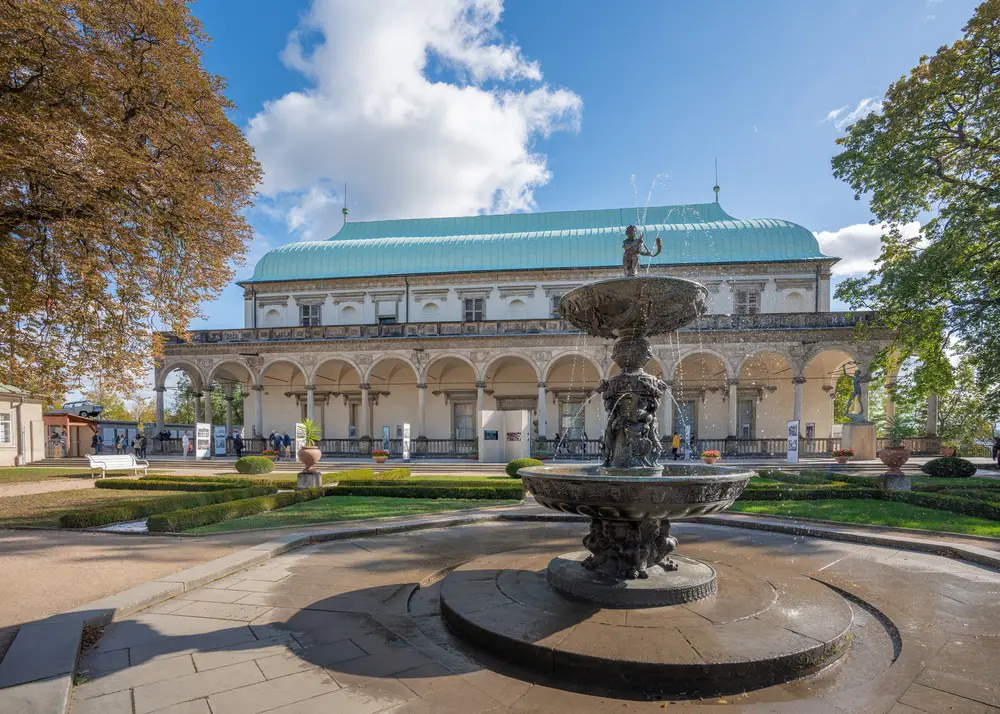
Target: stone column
(208, 404)
(667, 422)
(733, 425)
(311, 402)
(421, 410)
(365, 420)
(160, 418)
(866, 380)
(797, 407)
(480, 405)
(197, 406)
(542, 411)
(932, 415)
(258, 390)
(229, 411)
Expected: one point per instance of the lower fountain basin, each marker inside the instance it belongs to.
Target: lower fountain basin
(680, 491)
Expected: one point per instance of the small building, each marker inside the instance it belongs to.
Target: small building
(68, 435)
(22, 432)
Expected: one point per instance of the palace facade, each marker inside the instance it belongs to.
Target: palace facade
(430, 321)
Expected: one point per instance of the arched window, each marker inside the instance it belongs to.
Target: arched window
(794, 302)
(272, 318)
(517, 310)
(348, 315)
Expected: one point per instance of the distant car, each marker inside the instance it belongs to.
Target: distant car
(84, 409)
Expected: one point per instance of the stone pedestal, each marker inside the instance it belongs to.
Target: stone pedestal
(859, 436)
(890, 481)
(309, 479)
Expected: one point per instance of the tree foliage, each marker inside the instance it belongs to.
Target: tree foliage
(182, 407)
(935, 149)
(122, 183)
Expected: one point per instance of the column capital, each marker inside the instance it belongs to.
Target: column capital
(160, 389)
(422, 385)
(257, 387)
(733, 382)
(310, 387)
(365, 386)
(542, 385)
(480, 385)
(798, 380)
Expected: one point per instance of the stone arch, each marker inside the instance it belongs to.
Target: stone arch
(190, 368)
(576, 354)
(219, 367)
(446, 355)
(696, 351)
(323, 363)
(751, 357)
(387, 357)
(509, 355)
(270, 361)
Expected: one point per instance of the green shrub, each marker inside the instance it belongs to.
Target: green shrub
(130, 511)
(158, 485)
(254, 465)
(800, 478)
(954, 504)
(806, 494)
(977, 494)
(177, 521)
(949, 467)
(230, 481)
(517, 464)
(356, 475)
(477, 491)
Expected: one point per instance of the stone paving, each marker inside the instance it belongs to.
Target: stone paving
(353, 627)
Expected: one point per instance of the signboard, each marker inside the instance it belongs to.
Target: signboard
(687, 442)
(793, 441)
(220, 441)
(406, 442)
(489, 435)
(513, 436)
(385, 437)
(202, 441)
(300, 436)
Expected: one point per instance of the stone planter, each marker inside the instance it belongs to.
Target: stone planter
(380, 459)
(709, 459)
(948, 451)
(309, 456)
(842, 459)
(894, 457)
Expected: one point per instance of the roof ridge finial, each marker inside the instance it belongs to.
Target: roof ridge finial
(344, 209)
(716, 186)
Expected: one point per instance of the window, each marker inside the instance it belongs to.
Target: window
(473, 309)
(571, 420)
(747, 302)
(745, 418)
(684, 415)
(554, 307)
(309, 314)
(6, 429)
(387, 320)
(464, 415)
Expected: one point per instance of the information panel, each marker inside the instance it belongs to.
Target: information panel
(793, 441)
(203, 441)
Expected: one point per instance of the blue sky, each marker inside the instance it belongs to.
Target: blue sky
(556, 105)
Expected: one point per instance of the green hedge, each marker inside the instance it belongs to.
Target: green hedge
(130, 511)
(949, 467)
(504, 490)
(978, 494)
(254, 465)
(954, 504)
(163, 485)
(177, 521)
(799, 478)
(230, 481)
(517, 464)
(806, 494)
(397, 474)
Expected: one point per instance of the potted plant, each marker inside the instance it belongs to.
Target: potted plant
(895, 454)
(949, 448)
(710, 456)
(843, 455)
(310, 454)
(380, 455)
(269, 453)
(474, 455)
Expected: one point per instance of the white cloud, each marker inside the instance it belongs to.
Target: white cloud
(858, 246)
(865, 107)
(407, 144)
(833, 114)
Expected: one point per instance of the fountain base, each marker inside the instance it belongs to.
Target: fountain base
(689, 581)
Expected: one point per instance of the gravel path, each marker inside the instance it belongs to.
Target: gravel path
(32, 487)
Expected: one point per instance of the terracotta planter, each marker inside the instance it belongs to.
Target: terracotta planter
(894, 457)
(842, 459)
(309, 456)
(380, 459)
(709, 459)
(948, 451)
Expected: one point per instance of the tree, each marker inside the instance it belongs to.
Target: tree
(114, 405)
(182, 410)
(960, 412)
(935, 147)
(122, 186)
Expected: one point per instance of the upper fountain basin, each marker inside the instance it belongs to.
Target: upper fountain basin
(634, 306)
(682, 491)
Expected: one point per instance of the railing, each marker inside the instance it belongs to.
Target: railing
(918, 446)
(706, 323)
(980, 450)
(578, 449)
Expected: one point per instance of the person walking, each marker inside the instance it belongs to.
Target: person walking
(95, 444)
(135, 444)
(142, 446)
(120, 444)
(185, 444)
(675, 446)
(238, 445)
(286, 440)
(272, 442)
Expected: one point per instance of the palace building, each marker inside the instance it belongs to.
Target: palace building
(430, 321)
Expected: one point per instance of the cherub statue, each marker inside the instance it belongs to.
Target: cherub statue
(634, 247)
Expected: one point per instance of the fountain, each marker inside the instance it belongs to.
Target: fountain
(628, 610)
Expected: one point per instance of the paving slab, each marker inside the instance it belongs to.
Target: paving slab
(45, 696)
(42, 651)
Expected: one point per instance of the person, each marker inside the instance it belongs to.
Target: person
(286, 440)
(272, 442)
(185, 443)
(120, 444)
(675, 446)
(142, 446)
(996, 450)
(694, 456)
(238, 445)
(95, 443)
(135, 444)
(556, 443)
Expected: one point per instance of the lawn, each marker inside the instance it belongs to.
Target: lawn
(44, 509)
(30, 474)
(345, 508)
(875, 513)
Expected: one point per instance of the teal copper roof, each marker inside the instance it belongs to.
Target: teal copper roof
(692, 234)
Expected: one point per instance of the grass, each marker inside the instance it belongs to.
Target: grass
(345, 508)
(874, 513)
(970, 482)
(32, 474)
(44, 509)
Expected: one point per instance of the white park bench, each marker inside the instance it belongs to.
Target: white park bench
(116, 463)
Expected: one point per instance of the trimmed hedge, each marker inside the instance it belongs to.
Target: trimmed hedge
(254, 465)
(130, 511)
(177, 521)
(949, 467)
(477, 491)
(807, 494)
(158, 485)
(230, 481)
(799, 478)
(954, 504)
(397, 474)
(517, 464)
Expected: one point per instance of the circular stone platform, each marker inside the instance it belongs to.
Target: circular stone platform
(753, 633)
(693, 580)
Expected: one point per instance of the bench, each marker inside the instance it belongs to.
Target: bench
(116, 463)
